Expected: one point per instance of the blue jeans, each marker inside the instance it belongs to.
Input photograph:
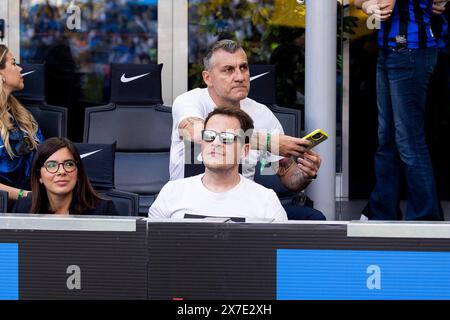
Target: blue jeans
(402, 80)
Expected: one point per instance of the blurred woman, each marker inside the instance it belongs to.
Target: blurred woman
(59, 183)
(19, 132)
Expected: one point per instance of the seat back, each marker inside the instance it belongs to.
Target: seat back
(3, 201)
(137, 84)
(52, 120)
(34, 84)
(126, 203)
(134, 128)
(289, 119)
(263, 83)
(263, 90)
(143, 142)
(98, 161)
(142, 172)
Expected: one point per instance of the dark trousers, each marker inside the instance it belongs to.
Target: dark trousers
(301, 212)
(402, 80)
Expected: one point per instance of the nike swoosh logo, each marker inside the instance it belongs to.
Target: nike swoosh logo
(124, 79)
(259, 75)
(27, 73)
(85, 155)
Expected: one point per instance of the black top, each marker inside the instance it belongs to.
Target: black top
(103, 208)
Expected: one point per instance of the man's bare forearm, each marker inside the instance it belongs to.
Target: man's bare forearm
(191, 128)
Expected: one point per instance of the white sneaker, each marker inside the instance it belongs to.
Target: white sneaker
(363, 218)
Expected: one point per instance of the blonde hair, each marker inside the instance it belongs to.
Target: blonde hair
(10, 110)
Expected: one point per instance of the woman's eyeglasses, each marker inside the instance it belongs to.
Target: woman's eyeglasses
(53, 166)
(224, 137)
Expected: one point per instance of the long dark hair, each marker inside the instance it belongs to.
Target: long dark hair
(84, 194)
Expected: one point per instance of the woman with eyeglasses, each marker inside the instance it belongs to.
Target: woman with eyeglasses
(19, 132)
(59, 183)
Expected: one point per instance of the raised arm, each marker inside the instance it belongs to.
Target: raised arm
(191, 129)
(280, 144)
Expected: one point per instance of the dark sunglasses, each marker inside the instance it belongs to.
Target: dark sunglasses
(224, 137)
(53, 166)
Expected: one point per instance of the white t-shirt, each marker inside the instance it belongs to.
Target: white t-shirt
(189, 196)
(198, 103)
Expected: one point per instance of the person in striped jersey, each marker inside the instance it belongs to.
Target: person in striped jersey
(406, 59)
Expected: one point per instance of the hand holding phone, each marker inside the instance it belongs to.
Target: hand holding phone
(316, 137)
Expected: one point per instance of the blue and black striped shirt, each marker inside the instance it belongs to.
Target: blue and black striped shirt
(412, 19)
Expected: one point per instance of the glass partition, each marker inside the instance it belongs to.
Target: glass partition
(77, 40)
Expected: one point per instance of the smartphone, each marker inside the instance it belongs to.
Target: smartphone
(316, 137)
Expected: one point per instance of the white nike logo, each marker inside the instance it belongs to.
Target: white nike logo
(27, 73)
(124, 79)
(259, 75)
(85, 155)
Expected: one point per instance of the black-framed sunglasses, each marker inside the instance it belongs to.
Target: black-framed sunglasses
(53, 166)
(224, 137)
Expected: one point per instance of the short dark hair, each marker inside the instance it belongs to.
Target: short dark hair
(245, 120)
(83, 194)
(227, 45)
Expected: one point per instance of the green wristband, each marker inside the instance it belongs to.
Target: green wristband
(267, 141)
(264, 155)
(20, 194)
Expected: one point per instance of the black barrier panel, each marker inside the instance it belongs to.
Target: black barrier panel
(92, 258)
(68, 264)
(238, 261)
(225, 261)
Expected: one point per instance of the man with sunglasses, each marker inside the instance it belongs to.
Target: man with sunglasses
(227, 77)
(221, 191)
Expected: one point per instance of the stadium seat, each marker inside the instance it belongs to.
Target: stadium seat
(127, 203)
(141, 127)
(3, 201)
(142, 156)
(136, 84)
(98, 160)
(263, 90)
(263, 83)
(51, 119)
